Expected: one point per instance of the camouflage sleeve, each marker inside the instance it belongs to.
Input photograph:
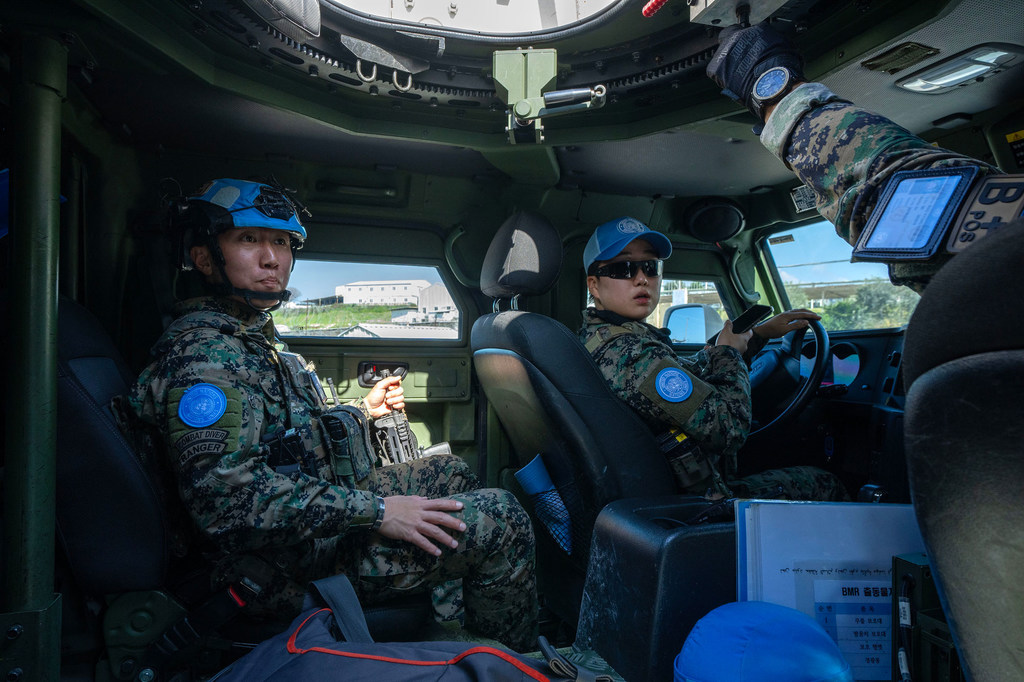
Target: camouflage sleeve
(716, 413)
(846, 154)
(228, 488)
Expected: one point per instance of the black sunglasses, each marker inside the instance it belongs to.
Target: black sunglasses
(626, 269)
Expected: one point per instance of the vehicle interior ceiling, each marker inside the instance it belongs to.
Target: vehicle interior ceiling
(415, 165)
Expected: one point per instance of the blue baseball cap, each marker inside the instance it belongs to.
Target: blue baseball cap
(611, 238)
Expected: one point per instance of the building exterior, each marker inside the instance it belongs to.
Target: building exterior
(436, 303)
(390, 292)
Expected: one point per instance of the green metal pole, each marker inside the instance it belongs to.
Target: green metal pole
(31, 609)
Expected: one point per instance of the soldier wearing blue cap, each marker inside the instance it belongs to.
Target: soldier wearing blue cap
(699, 406)
(283, 489)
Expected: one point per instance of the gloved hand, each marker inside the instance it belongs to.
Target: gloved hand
(743, 54)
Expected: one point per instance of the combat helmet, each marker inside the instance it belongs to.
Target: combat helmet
(225, 204)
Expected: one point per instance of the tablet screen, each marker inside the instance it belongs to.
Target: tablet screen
(914, 214)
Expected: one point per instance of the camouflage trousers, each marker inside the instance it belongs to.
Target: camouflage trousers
(494, 559)
(791, 483)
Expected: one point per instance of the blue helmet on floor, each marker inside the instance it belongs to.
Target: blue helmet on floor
(757, 641)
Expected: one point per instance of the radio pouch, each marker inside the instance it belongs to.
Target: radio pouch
(347, 437)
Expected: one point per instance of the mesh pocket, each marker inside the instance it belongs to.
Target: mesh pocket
(552, 513)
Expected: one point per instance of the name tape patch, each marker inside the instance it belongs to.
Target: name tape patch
(673, 385)
(202, 442)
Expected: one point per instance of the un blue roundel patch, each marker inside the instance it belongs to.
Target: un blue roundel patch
(673, 385)
(202, 405)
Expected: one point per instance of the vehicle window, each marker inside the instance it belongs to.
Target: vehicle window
(368, 300)
(816, 273)
(692, 310)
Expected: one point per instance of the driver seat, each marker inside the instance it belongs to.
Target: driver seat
(552, 400)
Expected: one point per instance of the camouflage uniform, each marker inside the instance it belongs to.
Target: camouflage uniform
(289, 528)
(846, 155)
(713, 413)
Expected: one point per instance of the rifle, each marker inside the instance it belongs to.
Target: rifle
(395, 438)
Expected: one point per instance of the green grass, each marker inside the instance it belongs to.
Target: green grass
(338, 316)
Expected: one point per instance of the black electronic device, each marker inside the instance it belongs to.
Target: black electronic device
(914, 214)
(749, 317)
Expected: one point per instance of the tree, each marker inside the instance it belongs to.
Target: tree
(875, 304)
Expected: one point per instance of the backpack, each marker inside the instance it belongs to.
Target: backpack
(329, 640)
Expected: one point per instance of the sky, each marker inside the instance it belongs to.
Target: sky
(818, 254)
(317, 279)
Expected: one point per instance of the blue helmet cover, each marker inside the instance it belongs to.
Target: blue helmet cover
(760, 642)
(253, 204)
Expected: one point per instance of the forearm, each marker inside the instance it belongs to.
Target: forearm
(845, 154)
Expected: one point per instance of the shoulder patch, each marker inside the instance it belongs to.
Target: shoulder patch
(676, 393)
(202, 405)
(673, 385)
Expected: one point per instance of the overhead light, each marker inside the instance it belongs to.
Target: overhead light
(965, 68)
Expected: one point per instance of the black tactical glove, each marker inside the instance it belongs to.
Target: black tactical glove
(745, 53)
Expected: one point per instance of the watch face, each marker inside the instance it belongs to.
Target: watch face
(771, 83)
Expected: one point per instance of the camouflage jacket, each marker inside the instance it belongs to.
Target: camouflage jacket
(216, 392)
(707, 396)
(846, 155)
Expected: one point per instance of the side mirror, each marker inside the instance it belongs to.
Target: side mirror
(692, 323)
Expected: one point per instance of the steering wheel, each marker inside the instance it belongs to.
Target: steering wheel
(775, 374)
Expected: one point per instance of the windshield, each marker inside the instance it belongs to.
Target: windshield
(816, 272)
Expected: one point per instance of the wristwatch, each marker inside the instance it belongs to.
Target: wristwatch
(769, 88)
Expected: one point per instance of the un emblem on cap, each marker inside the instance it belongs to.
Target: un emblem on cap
(673, 385)
(631, 226)
(202, 405)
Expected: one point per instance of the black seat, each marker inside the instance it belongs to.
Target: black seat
(106, 497)
(964, 370)
(552, 400)
(114, 514)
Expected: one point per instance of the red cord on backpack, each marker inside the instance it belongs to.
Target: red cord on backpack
(653, 6)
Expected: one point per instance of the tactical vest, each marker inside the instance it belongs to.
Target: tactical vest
(331, 444)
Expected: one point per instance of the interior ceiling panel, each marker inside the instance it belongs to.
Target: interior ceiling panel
(681, 162)
(187, 115)
(1000, 21)
(672, 163)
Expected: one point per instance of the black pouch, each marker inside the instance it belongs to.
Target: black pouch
(347, 438)
(685, 457)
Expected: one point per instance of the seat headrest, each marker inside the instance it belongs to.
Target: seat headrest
(524, 257)
(972, 305)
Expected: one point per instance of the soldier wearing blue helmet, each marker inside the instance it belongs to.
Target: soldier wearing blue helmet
(224, 205)
(699, 406)
(284, 488)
